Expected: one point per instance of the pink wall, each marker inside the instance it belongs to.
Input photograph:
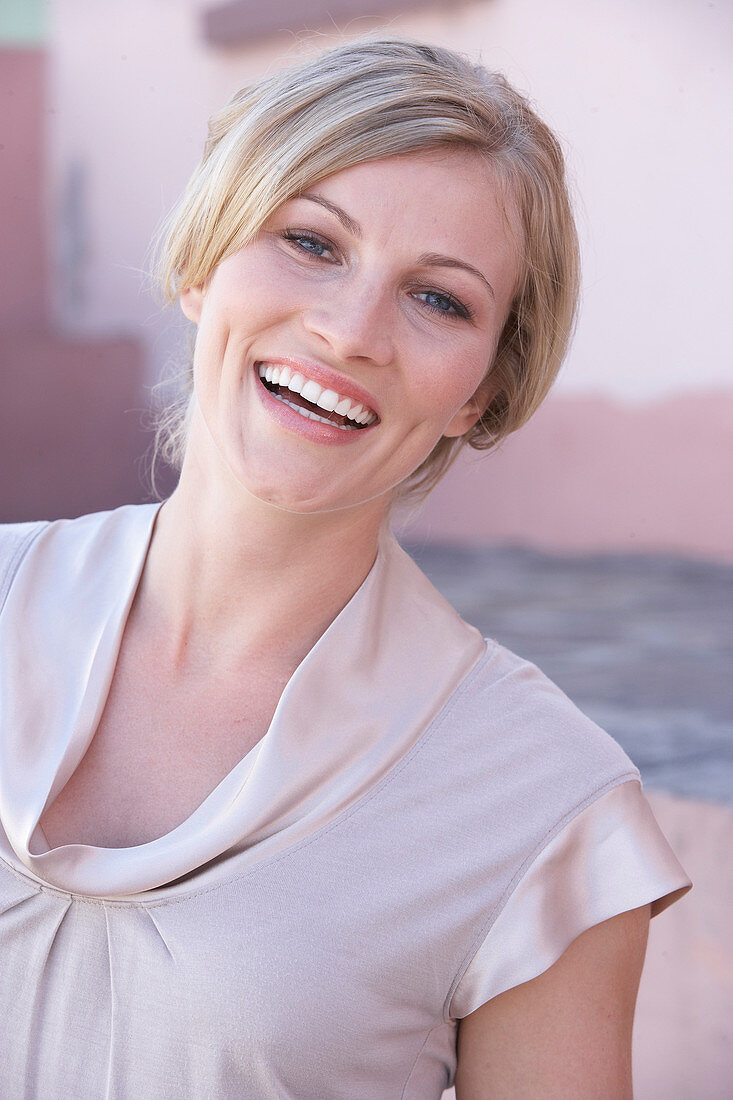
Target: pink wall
(590, 474)
(69, 408)
(22, 166)
(69, 425)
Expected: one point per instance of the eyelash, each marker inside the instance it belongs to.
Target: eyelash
(459, 310)
(297, 237)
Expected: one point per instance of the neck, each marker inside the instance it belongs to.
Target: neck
(230, 578)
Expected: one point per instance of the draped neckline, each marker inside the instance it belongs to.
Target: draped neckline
(354, 707)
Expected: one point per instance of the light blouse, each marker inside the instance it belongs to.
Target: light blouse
(427, 822)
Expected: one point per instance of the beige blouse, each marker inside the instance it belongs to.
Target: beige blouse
(428, 821)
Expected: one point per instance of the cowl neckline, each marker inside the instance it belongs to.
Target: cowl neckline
(355, 705)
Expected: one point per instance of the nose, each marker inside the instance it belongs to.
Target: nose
(355, 321)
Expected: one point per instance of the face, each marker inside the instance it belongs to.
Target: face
(354, 331)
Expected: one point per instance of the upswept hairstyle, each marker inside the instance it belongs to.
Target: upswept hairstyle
(362, 101)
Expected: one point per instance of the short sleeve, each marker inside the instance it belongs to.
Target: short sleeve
(610, 858)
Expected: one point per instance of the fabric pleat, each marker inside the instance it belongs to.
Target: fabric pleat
(426, 822)
(322, 750)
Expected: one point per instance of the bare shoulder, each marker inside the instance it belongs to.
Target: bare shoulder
(565, 1035)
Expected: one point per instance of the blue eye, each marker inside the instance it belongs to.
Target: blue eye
(307, 242)
(443, 303)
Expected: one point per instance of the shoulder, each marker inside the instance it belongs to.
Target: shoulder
(576, 838)
(65, 544)
(524, 735)
(503, 713)
(515, 689)
(15, 539)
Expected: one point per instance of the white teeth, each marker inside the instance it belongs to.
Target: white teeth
(317, 395)
(311, 391)
(314, 416)
(328, 400)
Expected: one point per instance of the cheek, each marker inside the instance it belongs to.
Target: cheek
(249, 296)
(228, 325)
(247, 310)
(456, 379)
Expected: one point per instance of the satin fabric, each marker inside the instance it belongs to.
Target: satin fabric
(323, 749)
(427, 821)
(569, 889)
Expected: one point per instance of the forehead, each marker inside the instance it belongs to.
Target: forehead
(449, 200)
(442, 176)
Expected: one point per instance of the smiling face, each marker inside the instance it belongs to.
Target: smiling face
(354, 331)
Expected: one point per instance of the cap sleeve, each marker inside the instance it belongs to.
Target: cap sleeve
(609, 858)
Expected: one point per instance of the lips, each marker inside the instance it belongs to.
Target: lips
(295, 386)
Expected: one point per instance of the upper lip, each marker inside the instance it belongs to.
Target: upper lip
(326, 377)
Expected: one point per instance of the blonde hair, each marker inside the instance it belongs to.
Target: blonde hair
(366, 100)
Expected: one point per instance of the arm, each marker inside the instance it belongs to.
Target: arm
(565, 1035)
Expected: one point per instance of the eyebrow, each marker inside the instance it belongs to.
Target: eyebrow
(435, 259)
(428, 259)
(347, 222)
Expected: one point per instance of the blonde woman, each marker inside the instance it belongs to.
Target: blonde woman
(276, 822)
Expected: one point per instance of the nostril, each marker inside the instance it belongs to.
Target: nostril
(356, 332)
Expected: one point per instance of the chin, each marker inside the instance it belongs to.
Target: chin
(303, 488)
(307, 499)
(289, 495)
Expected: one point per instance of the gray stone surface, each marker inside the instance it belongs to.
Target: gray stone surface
(642, 644)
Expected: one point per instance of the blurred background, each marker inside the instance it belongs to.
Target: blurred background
(599, 540)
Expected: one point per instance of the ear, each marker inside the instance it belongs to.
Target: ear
(469, 413)
(191, 301)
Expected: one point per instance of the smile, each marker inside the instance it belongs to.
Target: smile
(314, 401)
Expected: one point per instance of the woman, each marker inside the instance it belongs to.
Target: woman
(276, 822)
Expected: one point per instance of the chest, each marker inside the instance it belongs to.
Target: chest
(162, 745)
(303, 977)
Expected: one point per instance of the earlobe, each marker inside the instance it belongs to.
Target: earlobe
(464, 419)
(472, 411)
(191, 301)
